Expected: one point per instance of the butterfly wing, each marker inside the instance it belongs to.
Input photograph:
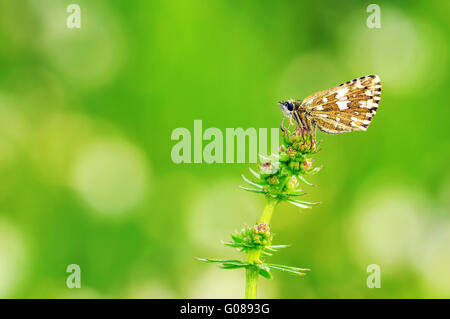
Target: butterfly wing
(348, 107)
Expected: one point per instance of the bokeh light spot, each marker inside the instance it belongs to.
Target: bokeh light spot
(435, 262)
(219, 210)
(304, 75)
(12, 258)
(90, 56)
(400, 51)
(110, 175)
(388, 227)
(56, 142)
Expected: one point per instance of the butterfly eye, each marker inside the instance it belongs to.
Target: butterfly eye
(290, 106)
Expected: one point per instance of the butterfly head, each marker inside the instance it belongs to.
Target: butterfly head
(287, 107)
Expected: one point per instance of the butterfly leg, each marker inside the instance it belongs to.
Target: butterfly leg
(281, 124)
(290, 121)
(311, 127)
(313, 135)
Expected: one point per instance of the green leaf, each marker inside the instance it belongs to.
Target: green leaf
(236, 238)
(264, 271)
(298, 204)
(234, 245)
(252, 190)
(289, 269)
(280, 246)
(229, 261)
(231, 266)
(276, 247)
(303, 202)
(295, 194)
(242, 246)
(315, 170)
(251, 183)
(300, 177)
(258, 176)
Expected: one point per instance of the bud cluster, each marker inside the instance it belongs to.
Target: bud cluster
(255, 237)
(281, 176)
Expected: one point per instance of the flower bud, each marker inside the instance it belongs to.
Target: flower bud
(262, 235)
(291, 152)
(269, 168)
(273, 180)
(293, 184)
(295, 166)
(261, 228)
(306, 165)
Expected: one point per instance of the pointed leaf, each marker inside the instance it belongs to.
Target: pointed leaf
(228, 261)
(251, 183)
(231, 266)
(258, 176)
(252, 190)
(287, 267)
(315, 170)
(279, 246)
(295, 194)
(303, 202)
(236, 238)
(276, 247)
(234, 245)
(300, 177)
(264, 271)
(298, 204)
(293, 272)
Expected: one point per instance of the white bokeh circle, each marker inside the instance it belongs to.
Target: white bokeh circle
(110, 175)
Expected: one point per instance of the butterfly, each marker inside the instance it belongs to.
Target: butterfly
(348, 107)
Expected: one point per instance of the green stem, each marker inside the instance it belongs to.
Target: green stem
(254, 254)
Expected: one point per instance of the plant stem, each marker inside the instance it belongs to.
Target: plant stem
(268, 210)
(254, 254)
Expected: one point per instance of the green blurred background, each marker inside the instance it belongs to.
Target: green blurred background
(86, 176)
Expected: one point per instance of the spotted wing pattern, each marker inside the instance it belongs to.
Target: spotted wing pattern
(348, 107)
